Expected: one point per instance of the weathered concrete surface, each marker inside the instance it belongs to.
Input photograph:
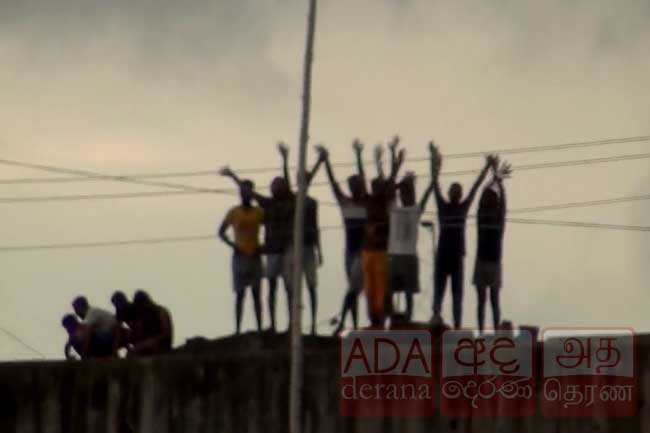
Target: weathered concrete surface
(231, 385)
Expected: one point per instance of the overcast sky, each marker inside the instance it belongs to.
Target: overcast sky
(153, 86)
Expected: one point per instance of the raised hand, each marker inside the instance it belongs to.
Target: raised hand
(379, 152)
(504, 171)
(436, 158)
(283, 149)
(226, 171)
(392, 145)
(323, 153)
(357, 145)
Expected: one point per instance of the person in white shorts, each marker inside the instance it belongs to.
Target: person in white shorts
(403, 264)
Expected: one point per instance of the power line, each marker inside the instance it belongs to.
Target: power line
(188, 190)
(580, 204)
(177, 239)
(144, 176)
(100, 176)
(579, 224)
(569, 205)
(22, 342)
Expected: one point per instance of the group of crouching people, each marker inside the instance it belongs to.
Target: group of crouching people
(137, 328)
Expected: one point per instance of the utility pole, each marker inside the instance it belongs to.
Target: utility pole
(295, 391)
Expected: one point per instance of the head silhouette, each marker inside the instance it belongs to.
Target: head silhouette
(455, 193)
(80, 306)
(279, 188)
(378, 186)
(356, 187)
(246, 191)
(142, 299)
(119, 300)
(407, 191)
(70, 323)
(489, 199)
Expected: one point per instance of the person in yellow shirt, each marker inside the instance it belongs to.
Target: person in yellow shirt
(245, 221)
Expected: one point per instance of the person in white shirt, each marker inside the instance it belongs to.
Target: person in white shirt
(403, 264)
(101, 329)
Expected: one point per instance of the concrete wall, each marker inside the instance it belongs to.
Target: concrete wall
(232, 385)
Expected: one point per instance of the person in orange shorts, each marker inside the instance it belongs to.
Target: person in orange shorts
(375, 245)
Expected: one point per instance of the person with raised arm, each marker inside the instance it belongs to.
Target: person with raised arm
(403, 262)
(375, 242)
(246, 264)
(278, 217)
(452, 218)
(312, 253)
(491, 220)
(278, 231)
(353, 213)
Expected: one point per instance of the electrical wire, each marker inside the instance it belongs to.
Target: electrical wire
(178, 239)
(22, 342)
(186, 189)
(143, 176)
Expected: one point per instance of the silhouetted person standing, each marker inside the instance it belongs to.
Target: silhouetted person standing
(375, 243)
(452, 217)
(354, 217)
(278, 234)
(312, 253)
(155, 326)
(403, 262)
(245, 221)
(491, 226)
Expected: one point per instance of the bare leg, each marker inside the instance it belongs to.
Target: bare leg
(273, 286)
(257, 302)
(239, 305)
(496, 307)
(480, 291)
(313, 296)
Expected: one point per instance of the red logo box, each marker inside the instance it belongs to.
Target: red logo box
(488, 375)
(589, 372)
(386, 373)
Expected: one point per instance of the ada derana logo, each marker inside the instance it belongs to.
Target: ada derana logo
(386, 373)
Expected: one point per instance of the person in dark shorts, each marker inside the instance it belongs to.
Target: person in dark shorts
(452, 218)
(491, 226)
(354, 217)
(245, 221)
(403, 262)
(156, 329)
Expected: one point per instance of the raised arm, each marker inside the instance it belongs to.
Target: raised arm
(436, 164)
(425, 196)
(312, 173)
(261, 199)
(336, 189)
(358, 149)
(379, 161)
(489, 162)
(284, 153)
(392, 147)
(399, 160)
(502, 172)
